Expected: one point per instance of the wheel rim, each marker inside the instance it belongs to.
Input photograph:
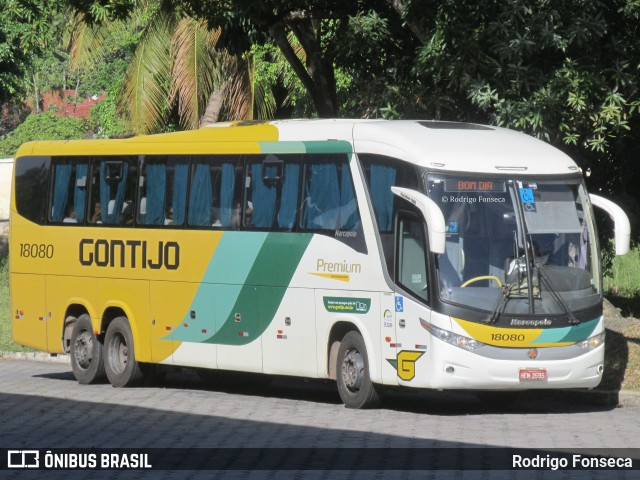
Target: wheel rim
(83, 349)
(118, 354)
(353, 370)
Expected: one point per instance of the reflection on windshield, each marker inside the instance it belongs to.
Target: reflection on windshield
(516, 247)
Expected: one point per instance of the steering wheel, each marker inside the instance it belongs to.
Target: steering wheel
(483, 277)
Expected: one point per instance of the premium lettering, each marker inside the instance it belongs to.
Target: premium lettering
(129, 254)
(337, 267)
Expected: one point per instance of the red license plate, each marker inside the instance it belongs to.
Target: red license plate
(533, 375)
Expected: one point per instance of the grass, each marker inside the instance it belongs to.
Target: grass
(622, 347)
(623, 285)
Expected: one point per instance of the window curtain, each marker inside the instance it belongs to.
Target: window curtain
(226, 194)
(112, 215)
(61, 191)
(180, 183)
(289, 196)
(156, 188)
(348, 210)
(80, 190)
(323, 196)
(383, 178)
(201, 196)
(263, 196)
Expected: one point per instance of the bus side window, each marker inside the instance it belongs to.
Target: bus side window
(162, 190)
(273, 187)
(69, 191)
(330, 202)
(215, 191)
(113, 189)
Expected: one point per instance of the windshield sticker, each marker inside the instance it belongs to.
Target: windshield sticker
(526, 195)
(348, 305)
(452, 227)
(528, 200)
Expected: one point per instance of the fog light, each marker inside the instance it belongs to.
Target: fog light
(450, 369)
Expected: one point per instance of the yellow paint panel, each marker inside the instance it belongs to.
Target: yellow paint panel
(28, 304)
(63, 291)
(113, 252)
(167, 313)
(132, 296)
(207, 140)
(505, 337)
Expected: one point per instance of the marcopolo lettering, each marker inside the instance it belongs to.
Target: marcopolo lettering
(129, 254)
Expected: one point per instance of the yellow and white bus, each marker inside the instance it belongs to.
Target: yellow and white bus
(376, 253)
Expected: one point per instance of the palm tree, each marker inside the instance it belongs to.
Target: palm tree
(176, 63)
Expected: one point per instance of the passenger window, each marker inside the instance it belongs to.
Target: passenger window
(381, 173)
(163, 190)
(329, 197)
(113, 191)
(411, 254)
(69, 191)
(273, 191)
(215, 196)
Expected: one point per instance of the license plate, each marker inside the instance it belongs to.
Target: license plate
(533, 375)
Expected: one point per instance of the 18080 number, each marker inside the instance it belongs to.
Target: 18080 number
(507, 337)
(36, 250)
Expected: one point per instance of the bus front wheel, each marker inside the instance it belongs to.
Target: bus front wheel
(119, 357)
(354, 383)
(86, 352)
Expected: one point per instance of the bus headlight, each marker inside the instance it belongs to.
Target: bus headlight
(592, 342)
(454, 339)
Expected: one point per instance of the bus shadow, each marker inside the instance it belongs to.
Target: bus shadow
(444, 403)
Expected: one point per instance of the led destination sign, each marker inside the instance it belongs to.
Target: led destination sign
(457, 185)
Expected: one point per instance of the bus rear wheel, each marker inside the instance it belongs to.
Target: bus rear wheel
(119, 356)
(354, 383)
(86, 352)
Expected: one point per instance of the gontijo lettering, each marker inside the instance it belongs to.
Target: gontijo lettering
(129, 254)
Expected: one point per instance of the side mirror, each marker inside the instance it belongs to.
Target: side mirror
(620, 220)
(432, 214)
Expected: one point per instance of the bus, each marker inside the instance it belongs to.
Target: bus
(423, 254)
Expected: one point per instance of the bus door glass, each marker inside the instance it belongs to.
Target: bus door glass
(411, 276)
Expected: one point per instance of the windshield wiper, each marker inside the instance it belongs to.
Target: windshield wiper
(556, 296)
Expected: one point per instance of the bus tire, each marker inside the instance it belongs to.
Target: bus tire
(119, 355)
(86, 352)
(354, 382)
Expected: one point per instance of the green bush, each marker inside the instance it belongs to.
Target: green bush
(44, 126)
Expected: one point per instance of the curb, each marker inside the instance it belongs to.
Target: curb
(36, 357)
(606, 398)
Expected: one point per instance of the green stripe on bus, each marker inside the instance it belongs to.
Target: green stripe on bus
(331, 146)
(221, 284)
(282, 147)
(576, 333)
(264, 290)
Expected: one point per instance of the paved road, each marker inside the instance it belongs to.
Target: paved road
(41, 406)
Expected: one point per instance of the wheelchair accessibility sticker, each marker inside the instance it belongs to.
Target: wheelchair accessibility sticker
(528, 200)
(399, 304)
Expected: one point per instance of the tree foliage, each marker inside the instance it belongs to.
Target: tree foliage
(566, 71)
(28, 29)
(44, 126)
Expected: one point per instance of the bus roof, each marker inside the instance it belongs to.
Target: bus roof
(446, 146)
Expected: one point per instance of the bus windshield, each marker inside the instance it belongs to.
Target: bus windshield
(516, 247)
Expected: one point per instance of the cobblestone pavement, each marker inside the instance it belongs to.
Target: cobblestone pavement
(42, 406)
